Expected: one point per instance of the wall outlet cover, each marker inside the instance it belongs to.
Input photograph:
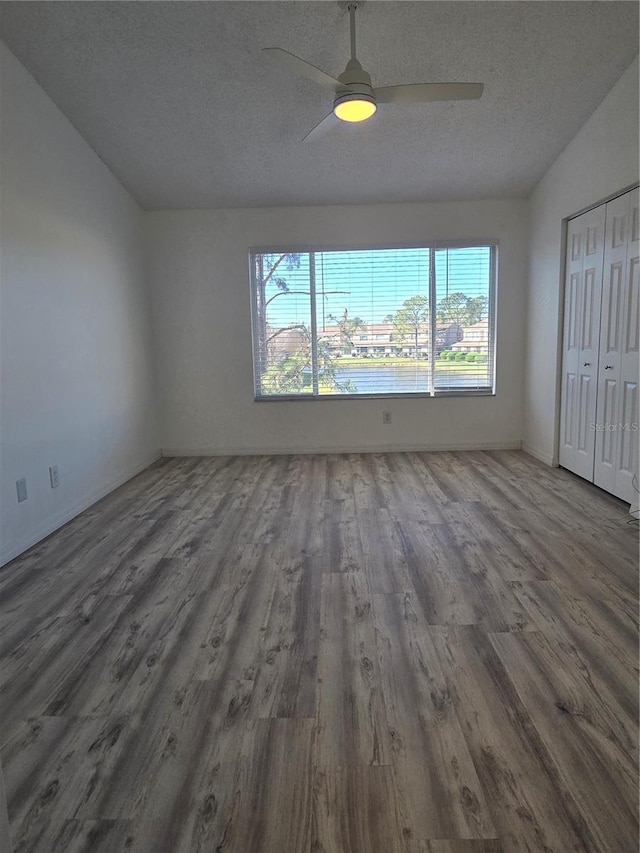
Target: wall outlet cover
(54, 476)
(21, 489)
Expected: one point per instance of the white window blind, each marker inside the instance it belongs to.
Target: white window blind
(373, 322)
(463, 319)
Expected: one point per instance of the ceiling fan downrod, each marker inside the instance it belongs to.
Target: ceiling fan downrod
(351, 9)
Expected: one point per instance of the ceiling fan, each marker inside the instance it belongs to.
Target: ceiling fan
(354, 98)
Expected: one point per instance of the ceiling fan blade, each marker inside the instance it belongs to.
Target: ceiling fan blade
(328, 123)
(422, 93)
(301, 66)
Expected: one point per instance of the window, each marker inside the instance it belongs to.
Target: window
(315, 314)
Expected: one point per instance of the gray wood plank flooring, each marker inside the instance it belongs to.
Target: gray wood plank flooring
(360, 653)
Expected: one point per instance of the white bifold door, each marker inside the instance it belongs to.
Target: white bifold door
(583, 296)
(599, 413)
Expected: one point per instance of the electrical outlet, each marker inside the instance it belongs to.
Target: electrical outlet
(54, 476)
(386, 417)
(21, 489)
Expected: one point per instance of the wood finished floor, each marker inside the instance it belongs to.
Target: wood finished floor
(384, 653)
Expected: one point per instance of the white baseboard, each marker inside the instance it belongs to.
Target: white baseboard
(382, 448)
(19, 546)
(547, 458)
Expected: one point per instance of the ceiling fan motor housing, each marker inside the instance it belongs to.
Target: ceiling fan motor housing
(356, 83)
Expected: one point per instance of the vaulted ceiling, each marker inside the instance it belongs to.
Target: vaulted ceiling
(179, 101)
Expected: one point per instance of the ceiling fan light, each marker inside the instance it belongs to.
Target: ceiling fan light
(354, 107)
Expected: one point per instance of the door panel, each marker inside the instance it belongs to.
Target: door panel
(613, 294)
(606, 433)
(588, 313)
(616, 436)
(573, 301)
(628, 436)
(568, 422)
(627, 471)
(632, 308)
(583, 293)
(584, 425)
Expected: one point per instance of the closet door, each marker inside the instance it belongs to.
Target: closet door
(583, 291)
(616, 451)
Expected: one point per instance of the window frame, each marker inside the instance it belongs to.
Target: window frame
(432, 246)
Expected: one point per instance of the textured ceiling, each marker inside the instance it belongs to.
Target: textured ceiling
(179, 101)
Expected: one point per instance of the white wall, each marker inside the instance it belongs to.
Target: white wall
(199, 268)
(601, 160)
(76, 357)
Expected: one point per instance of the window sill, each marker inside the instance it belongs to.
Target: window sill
(279, 398)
